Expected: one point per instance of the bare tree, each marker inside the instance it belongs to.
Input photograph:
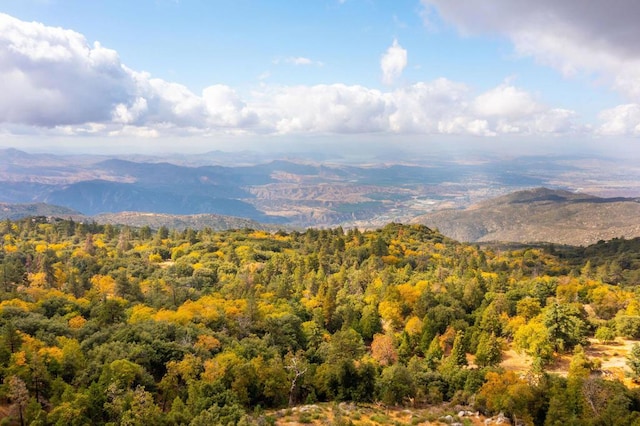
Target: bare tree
(297, 370)
(19, 396)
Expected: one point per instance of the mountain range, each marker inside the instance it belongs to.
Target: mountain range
(469, 199)
(529, 216)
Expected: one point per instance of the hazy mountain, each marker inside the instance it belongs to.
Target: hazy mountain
(300, 193)
(18, 211)
(541, 215)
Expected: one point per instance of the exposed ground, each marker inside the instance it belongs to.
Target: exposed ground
(612, 356)
(369, 414)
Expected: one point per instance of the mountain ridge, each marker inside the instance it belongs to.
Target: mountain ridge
(540, 215)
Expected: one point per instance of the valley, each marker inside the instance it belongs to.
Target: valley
(473, 201)
(297, 193)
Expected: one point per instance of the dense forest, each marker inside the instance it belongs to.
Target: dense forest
(134, 326)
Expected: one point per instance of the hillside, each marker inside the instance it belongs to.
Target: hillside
(539, 215)
(105, 324)
(17, 211)
(136, 219)
(180, 222)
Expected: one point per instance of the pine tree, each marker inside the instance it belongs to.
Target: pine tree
(489, 351)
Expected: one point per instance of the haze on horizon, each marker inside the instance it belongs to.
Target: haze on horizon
(346, 76)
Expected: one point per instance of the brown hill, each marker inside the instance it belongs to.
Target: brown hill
(540, 215)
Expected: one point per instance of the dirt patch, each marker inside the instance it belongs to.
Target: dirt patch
(373, 414)
(512, 360)
(612, 357)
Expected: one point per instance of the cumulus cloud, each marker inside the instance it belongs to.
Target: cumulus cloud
(53, 78)
(582, 26)
(573, 36)
(505, 101)
(335, 108)
(393, 62)
(593, 38)
(225, 108)
(621, 120)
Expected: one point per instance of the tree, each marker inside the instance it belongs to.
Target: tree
(395, 384)
(383, 350)
(370, 322)
(489, 351)
(297, 370)
(434, 353)
(508, 393)
(458, 356)
(565, 327)
(580, 366)
(19, 396)
(143, 410)
(533, 339)
(633, 361)
(605, 334)
(345, 344)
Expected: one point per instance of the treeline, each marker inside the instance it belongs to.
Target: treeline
(118, 325)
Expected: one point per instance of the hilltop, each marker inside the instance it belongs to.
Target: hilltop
(538, 215)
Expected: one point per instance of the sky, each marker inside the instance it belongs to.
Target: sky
(194, 75)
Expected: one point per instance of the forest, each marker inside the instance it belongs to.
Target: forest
(115, 325)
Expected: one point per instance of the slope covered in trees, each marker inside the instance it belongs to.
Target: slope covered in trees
(103, 324)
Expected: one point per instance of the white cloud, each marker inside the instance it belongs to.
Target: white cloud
(51, 76)
(333, 108)
(574, 36)
(505, 101)
(54, 79)
(393, 62)
(126, 114)
(225, 108)
(620, 120)
(298, 60)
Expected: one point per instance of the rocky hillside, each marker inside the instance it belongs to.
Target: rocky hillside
(539, 215)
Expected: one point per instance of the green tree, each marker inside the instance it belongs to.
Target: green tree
(633, 361)
(533, 339)
(605, 334)
(489, 351)
(566, 328)
(395, 384)
(458, 356)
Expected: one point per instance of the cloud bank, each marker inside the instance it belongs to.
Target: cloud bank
(53, 78)
(591, 38)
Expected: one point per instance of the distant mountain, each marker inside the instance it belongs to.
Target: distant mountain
(18, 211)
(94, 197)
(540, 215)
(298, 192)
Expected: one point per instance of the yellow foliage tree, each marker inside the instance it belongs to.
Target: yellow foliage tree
(105, 285)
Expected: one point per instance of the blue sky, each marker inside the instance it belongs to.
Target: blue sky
(147, 74)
